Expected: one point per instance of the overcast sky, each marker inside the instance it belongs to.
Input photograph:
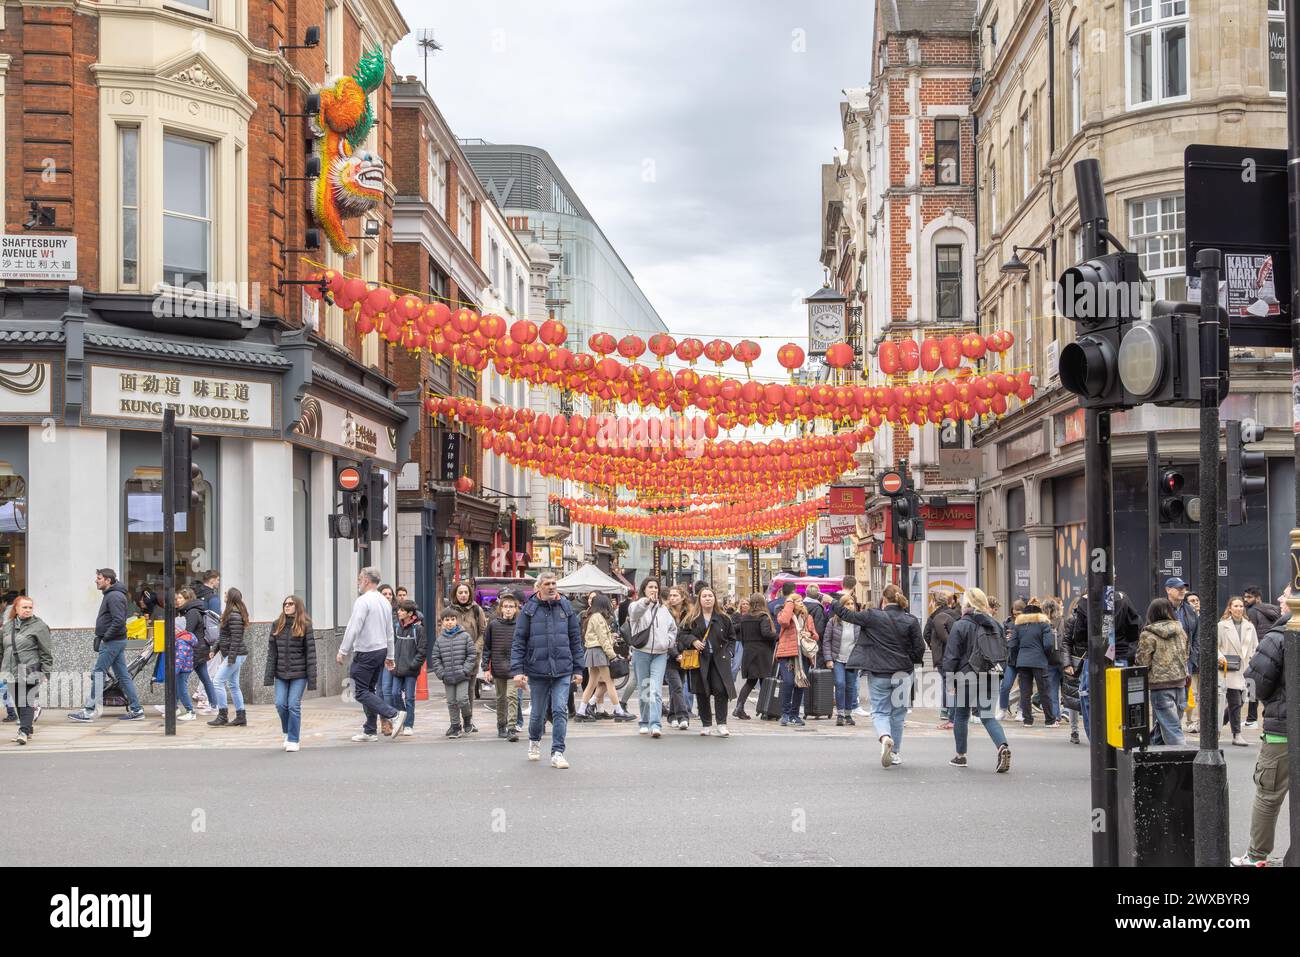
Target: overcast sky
(693, 132)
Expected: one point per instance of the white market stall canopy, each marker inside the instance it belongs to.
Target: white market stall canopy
(589, 578)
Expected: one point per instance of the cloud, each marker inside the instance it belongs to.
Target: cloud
(694, 133)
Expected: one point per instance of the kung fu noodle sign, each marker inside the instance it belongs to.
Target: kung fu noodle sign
(199, 400)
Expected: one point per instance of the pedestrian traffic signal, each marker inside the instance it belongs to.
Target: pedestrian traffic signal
(348, 481)
(364, 495)
(1241, 463)
(184, 472)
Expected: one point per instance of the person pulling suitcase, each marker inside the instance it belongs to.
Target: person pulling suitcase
(888, 648)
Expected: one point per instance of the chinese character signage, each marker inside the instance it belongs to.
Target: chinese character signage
(199, 400)
(38, 257)
(450, 461)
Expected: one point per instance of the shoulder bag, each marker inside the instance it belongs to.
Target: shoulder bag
(1233, 662)
(690, 659)
(639, 639)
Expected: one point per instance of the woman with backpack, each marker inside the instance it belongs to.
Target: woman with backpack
(598, 640)
(291, 666)
(757, 636)
(233, 652)
(1033, 644)
(976, 650)
(653, 625)
(197, 617)
(706, 630)
(1162, 648)
(888, 647)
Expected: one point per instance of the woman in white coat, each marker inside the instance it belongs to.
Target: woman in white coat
(650, 620)
(1237, 643)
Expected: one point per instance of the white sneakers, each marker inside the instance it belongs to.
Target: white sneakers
(365, 737)
(187, 716)
(723, 732)
(291, 745)
(705, 732)
(643, 730)
(861, 713)
(407, 732)
(534, 750)
(895, 759)
(886, 751)
(558, 762)
(719, 732)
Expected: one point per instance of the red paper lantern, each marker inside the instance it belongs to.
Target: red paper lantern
(630, 347)
(950, 352)
(718, 351)
(839, 356)
(790, 356)
(909, 355)
(523, 331)
(464, 484)
(887, 357)
(688, 350)
(662, 345)
(553, 332)
(602, 343)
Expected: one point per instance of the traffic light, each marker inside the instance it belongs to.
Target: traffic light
(1173, 507)
(908, 524)
(348, 481)
(1103, 297)
(363, 499)
(1241, 462)
(184, 472)
(1131, 349)
(375, 501)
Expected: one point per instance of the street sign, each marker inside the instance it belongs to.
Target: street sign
(818, 567)
(449, 464)
(891, 483)
(1237, 202)
(349, 478)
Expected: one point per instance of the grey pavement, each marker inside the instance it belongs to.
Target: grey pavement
(758, 798)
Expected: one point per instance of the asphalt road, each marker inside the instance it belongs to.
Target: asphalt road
(789, 799)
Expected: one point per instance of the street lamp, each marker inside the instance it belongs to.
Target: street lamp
(1015, 264)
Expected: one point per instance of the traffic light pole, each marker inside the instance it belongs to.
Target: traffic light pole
(1100, 535)
(1153, 511)
(1292, 646)
(1210, 772)
(169, 569)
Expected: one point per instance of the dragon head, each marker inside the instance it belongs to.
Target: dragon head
(358, 182)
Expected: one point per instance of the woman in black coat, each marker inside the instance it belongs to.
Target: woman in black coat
(757, 635)
(707, 629)
(291, 666)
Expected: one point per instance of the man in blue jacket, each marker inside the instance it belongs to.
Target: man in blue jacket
(110, 643)
(547, 655)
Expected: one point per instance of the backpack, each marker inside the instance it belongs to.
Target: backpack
(211, 627)
(184, 652)
(988, 650)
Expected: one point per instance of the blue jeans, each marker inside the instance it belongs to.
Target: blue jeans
(386, 689)
(1167, 709)
(403, 695)
(648, 672)
(1054, 690)
(1008, 680)
(201, 669)
(1083, 700)
(791, 695)
(890, 695)
(735, 659)
(183, 691)
(846, 686)
(5, 699)
(228, 674)
(556, 690)
(112, 657)
(961, 722)
(969, 692)
(288, 704)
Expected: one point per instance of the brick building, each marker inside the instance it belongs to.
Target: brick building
(899, 243)
(157, 152)
(452, 242)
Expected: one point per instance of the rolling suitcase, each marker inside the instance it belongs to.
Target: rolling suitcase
(819, 696)
(769, 698)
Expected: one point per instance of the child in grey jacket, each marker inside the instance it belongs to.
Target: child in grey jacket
(454, 659)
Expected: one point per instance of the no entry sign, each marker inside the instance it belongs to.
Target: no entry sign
(891, 483)
(349, 478)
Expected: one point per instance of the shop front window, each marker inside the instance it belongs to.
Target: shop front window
(13, 537)
(143, 511)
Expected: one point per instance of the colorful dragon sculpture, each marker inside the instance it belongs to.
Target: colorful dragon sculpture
(351, 180)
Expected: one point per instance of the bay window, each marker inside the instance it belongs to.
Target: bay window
(187, 211)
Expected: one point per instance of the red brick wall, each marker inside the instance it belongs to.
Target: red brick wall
(52, 116)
